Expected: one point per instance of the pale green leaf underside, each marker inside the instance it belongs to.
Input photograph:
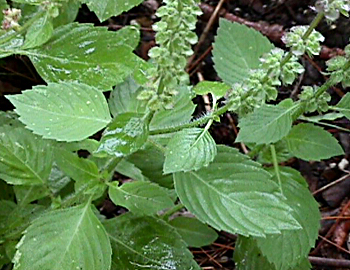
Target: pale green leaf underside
(67, 239)
(91, 55)
(344, 105)
(190, 149)
(310, 142)
(237, 50)
(143, 198)
(147, 243)
(194, 232)
(267, 124)
(236, 195)
(62, 111)
(286, 250)
(25, 158)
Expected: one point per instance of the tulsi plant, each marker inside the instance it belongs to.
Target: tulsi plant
(49, 193)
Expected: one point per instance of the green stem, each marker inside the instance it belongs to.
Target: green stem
(172, 211)
(23, 28)
(275, 165)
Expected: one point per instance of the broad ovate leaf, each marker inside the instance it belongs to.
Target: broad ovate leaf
(236, 195)
(267, 124)
(84, 53)
(288, 249)
(193, 232)
(310, 142)
(237, 50)
(142, 198)
(344, 105)
(218, 89)
(67, 239)
(62, 111)
(39, 32)
(123, 98)
(124, 135)
(189, 149)
(25, 158)
(147, 243)
(108, 8)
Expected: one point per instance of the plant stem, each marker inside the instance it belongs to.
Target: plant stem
(172, 211)
(275, 165)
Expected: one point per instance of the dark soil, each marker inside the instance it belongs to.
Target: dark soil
(271, 18)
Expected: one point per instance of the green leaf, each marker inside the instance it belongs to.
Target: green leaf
(248, 256)
(286, 250)
(39, 32)
(218, 89)
(344, 105)
(129, 169)
(237, 50)
(83, 171)
(67, 13)
(181, 112)
(75, 167)
(236, 195)
(123, 98)
(108, 8)
(267, 124)
(62, 111)
(25, 159)
(90, 145)
(142, 198)
(310, 142)
(189, 149)
(91, 55)
(8, 47)
(150, 161)
(194, 232)
(146, 243)
(77, 240)
(15, 218)
(28, 194)
(124, 135)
